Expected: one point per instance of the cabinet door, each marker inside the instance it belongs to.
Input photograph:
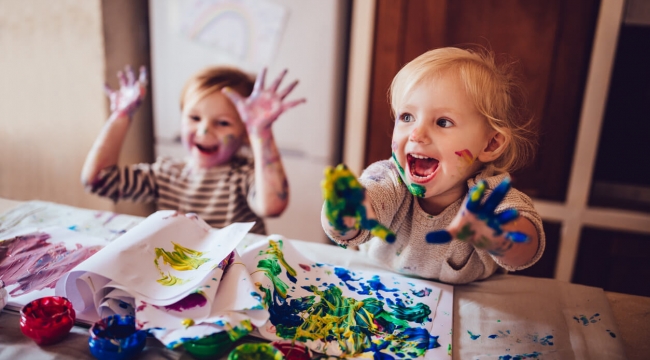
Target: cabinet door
(550, 40)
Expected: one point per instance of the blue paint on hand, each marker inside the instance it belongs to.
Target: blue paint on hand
(438, 237)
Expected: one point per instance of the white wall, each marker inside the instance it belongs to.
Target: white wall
(313, 48)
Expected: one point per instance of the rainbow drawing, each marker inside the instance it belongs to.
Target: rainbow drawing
(202, 20)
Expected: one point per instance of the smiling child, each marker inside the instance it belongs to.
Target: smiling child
(457, 134)
(222, 111)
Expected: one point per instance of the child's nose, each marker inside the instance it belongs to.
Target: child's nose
(203, 129)
(418, 135)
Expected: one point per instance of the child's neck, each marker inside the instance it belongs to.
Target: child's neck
(436, 204)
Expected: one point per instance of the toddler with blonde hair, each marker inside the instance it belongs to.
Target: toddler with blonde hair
(457, 134)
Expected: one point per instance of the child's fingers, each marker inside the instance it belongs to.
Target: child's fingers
(517, 237)
(130, 77)
(291, 104)
(122, 78)
(276, 83)
(507, 216)
(438, 237)
(380, 231)
(232, 95)
(475, 195)
(288, 89)
(259, 82)
(142, 79)
(496, 196)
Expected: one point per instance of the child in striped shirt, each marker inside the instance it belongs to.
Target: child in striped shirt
(222, 112)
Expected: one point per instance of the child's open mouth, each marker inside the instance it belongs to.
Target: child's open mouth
(207, 149)
(421, 168)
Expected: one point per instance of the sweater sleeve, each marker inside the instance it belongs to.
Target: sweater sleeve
(385, 191)
(132, 182)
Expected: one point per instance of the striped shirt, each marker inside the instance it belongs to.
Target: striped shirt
(220, 195)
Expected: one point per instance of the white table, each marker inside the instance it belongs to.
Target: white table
(522, 305)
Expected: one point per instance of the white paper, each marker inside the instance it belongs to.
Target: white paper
(167, 272)
(316, 284)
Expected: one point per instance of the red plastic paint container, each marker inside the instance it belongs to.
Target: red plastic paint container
(292, 350)
(47, 320)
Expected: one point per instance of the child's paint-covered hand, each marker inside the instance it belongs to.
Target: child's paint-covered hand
(263, 106)
(344, 209)
(479, 225)
(126, 100)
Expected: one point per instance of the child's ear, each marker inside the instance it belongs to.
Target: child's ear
(494, 148)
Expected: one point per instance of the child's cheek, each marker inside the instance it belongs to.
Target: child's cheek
(465, 161)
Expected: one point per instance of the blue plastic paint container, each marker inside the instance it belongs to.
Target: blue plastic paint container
(115, 337)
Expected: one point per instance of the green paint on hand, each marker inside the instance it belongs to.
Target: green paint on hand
(344, 209)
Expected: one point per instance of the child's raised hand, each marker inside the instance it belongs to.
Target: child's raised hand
(479, 225)
(344, 207)
(263, 106)
(126, 100)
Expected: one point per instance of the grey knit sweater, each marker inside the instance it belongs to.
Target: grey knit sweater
(456, 262)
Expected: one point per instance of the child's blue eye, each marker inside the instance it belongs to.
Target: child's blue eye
(223, 123)
(445, 123)
(406, 117)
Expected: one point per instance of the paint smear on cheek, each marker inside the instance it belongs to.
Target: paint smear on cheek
(466, 157)
(35, 264)
(393, 146)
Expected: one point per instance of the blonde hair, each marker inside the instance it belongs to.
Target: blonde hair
(213, 79)
(493, 90)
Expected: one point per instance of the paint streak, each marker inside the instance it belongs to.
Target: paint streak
(344, 197)
(181, 259)
(611, 333)
(35, 264)
(357, 326)
(187, 323)
(501, 334)
(421, 293)
(255, 351)
(415, 189)
(473, 336)
(305, 267)
(275, 250)
(466, 160)
(533, 355)
(586, 321)
(193, 300)
(546, 340)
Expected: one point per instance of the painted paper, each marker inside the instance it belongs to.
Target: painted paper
(346, 312)
(167, 272)
(32, 263)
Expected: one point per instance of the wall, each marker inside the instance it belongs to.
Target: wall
(53, 64)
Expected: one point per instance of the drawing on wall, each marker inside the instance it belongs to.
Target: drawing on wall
(342, 312)
(248, 30)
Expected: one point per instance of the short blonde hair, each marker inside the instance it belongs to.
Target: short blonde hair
(492, 88)
(213, 79)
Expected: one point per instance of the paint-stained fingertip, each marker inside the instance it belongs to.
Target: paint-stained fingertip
(517, 237)
(438, 237)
